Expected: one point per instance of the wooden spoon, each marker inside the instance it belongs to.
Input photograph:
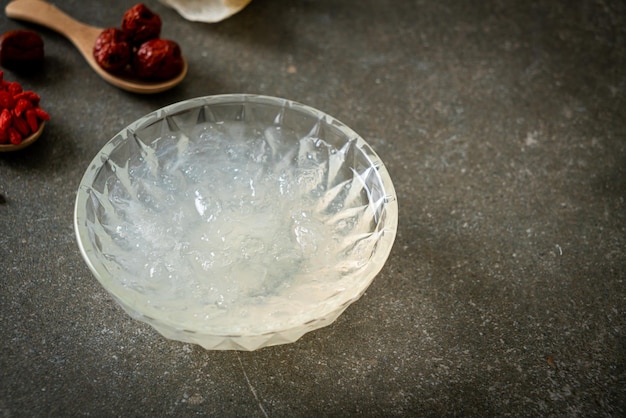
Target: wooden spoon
(83, 37)
(25, 142)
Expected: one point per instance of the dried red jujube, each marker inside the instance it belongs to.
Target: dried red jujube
(21, 50)
(141, 24)
(158, 59)
(112, 50)
(149, 56)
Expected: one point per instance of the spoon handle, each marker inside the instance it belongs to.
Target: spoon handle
(48, 15)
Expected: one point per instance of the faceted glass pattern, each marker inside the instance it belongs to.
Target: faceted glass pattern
(182, 152)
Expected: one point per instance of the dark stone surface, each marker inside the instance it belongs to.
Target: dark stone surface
(503, 125)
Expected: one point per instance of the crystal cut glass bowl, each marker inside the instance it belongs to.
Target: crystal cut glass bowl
(236, 221)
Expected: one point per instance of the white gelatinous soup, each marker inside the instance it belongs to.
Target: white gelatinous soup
(217, 228)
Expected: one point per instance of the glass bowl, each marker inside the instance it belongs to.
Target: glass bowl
(236, 221)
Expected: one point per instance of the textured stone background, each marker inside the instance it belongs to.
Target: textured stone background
(503, 125)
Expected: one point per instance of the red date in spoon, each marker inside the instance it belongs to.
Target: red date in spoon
(84, 38)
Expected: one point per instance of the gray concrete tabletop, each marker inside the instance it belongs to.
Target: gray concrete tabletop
(503, 126)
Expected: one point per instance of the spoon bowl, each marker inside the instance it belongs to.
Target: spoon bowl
(83, 37)
(25, 142)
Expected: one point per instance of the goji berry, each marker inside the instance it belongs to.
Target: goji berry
(14, 136)
(19, 112)
(41, 114)
(14, 88)
(21, 106)
(6, 100)
(31, 96)
(6, 119)
(31, 119)
(21, 126)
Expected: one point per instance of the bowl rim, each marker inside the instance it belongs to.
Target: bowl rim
(86, 247)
